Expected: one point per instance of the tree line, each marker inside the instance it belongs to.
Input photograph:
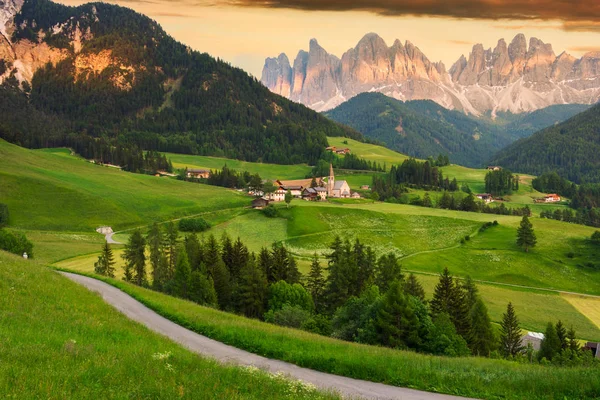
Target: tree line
(501, 182)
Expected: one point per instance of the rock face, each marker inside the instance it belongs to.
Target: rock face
(518, 77)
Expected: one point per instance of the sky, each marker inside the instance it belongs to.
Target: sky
(245, 32)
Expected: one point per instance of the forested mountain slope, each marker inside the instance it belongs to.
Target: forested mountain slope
(570, 148)
(101, 70)
(423, 128)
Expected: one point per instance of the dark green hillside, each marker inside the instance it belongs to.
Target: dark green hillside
(153, 92)
(423, 128)
(570, 148)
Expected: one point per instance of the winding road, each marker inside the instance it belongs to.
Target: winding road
(347, 387)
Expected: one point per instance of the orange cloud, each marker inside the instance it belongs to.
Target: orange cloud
(576, 14)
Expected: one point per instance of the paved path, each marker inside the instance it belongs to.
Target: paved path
(207, 347)
(110, 240)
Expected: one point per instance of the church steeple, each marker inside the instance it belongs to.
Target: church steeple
(330, 181)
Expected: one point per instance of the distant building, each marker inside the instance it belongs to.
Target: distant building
(355, 195)
(486, 197)
(365, 187)
(552, 198)
(278, 195)
(339, 189)
(260, 203)
(343, 151)
(198, 173)
(594, 347)
(535, 338)
(104, 230)
(317, 193)
(494, 168)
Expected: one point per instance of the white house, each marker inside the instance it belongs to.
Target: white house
(278, 195)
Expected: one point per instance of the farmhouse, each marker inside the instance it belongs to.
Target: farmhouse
(535, 338)
(343, 151)
(198, 173)
(494, 168)
(355, 195)
(594, 347)
(317, 193)
(278, 195)
(339, 189)
(486, 197)
(551, 198)
(365, 187)
(260, 203)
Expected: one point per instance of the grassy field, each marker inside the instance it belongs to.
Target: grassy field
(266, 171)
(370, 152)
(473, 377)
(61, 341)
(590, 307)
(49, 191)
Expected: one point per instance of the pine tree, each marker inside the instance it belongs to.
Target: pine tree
(183, 272)
(265, 264)
(239, 259)
(194, 251)
(227, 251)
(252, 290)
(135, 259)
(413, 287)
(396, 322)
(550, 345)
(525, 235)
(171, 249)
(427, 200)
(222, 282)
(388, 270)
(105, 264)
(202, 289)
(510, 333)
(572, 339)
(155, 241)
(471, 291)
(315, 282)
(561, 332)
(481, 335)
(442, 294)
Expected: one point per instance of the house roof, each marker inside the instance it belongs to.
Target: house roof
(535, 335)
(297, 182)
(339, 184)
(198, 171)
(320, 189)
(310, 190)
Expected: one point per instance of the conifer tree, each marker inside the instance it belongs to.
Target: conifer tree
(155, 242)
(135, 259)
(239, 258)
(525, 235)
(315, 282)
(171, 249)
(388, 270)
(396, 322)
(211, 252)
(481, 335)
(561, 332)
(471, 291)
(202, 289)
(550, 345)
(572, 339)
(105, 264)
(510, 333)
(442, 294)
(194, 251)
(226, 250)
(265, 264)
(413, 287)
(339, 278)
(427, 200)
(222, 282)
(252, 290)
(313, 182)
(183, 272)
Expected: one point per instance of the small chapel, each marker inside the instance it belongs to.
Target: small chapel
(335, 188)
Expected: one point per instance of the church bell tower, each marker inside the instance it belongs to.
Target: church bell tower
(330, 181)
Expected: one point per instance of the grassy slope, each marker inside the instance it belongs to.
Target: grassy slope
(266, 171)
(482, 378)
(47, 191)
(60, 340)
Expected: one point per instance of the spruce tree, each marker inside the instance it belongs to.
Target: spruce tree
(315, 282)
(413, 287)
(194, 251)
(264, 262)
(442, 294)
(227, 251)
(525, 235)
(222, 282)
(105, 264)
(171, 240)
(550, 345)
(135, 259)
(155, 242)
(481, 335)
(202, 289)
(252, 290)
(239, 258)
(396, 322)
(427, 200)
(561, 332)
(183, 272)
(511, 342)
(388, 270)
(572, 339)
(471, 291)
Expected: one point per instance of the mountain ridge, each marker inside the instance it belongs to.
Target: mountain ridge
(516, 77)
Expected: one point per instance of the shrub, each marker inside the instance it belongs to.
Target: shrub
(3, 215)
(290, 316)
(595, 236)
(270, 211)
(193, 225)
(15, 242)
(571, 254)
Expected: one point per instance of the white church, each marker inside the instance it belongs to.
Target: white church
(339, 189)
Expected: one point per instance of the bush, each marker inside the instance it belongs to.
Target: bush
(290, 316)
(3, 215)
(15, 242)
(193, 225)
(270, 211)
(596, 237)
(571, 254)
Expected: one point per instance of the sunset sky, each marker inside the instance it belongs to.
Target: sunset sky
(245, 32)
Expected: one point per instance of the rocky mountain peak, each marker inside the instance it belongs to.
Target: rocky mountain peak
(8, 10)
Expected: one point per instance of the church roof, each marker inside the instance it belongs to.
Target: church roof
(338, 185)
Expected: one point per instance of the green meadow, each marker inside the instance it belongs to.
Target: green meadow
(56, 192)
(62, 341)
